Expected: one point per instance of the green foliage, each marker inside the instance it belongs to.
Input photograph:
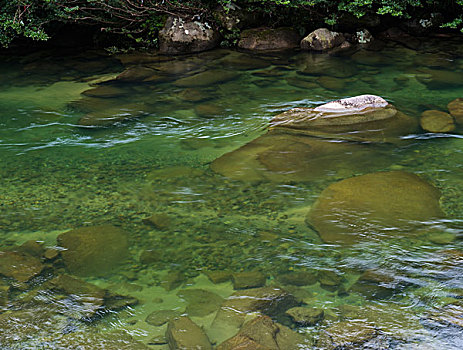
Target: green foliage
(22, 18)
(140, 20)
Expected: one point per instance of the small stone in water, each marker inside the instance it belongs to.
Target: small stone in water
(161, 221)
(437, 121)
(33, 248)
(219, 276)
(19, 266)
(183, 333)
(173, 280)
(329, 278)
(159, 317)
(51, 253)
(298, 278)
(200, 302)
(305, 316)
(158, 340)
(251, 279)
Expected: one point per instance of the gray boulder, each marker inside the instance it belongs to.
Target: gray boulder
(179, 37)
(322, 39)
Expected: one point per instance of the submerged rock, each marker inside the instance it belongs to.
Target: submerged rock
(208, 110)
(105, 91)
(200, 302)
(180, 37)
(33, 248)
(243, 62)
(135, 74)
(161, 221)
(93, 250)
(269, 39)
(322, 39)
(298, 278)
(194, 95)
(89, 297)
(119, 340)
(346, 335)
(389, 318)
(159, 317)
(19, 266)
(263, 333)
(456, 110)
(362, 118)
(435, 79)
(4, 294)
(172, 280)
(383, 204)
(207, 78)
(329, 279)
(248, 279)
(332, 83)
(240, 342)
(321, 65)
(271, 301)
(305, 316)
(437, 121)
(105, 117)
(219, 276)
(283, 157)
(302, 83)
(375, 285)
(183, 333)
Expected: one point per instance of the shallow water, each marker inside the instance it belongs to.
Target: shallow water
(58, 175)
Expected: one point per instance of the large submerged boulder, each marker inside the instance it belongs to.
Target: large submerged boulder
(93, 250)
(322, 39)
(281, 157)
(359, 118)
(372, 206)
(262, 39)
(180, 37)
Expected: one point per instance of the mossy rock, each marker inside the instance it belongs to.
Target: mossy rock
(437, 121)
(94, 250)
(183, 333)
(360, 118)
(373, 206)
(19, 266)
(281, 157)
(456, 109)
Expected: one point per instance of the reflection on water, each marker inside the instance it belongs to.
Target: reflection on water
(128, 200)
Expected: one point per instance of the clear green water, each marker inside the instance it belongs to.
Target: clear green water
(58, 176)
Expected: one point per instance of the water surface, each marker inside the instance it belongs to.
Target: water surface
(58, 175)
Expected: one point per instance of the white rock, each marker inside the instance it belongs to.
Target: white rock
(353, 104)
